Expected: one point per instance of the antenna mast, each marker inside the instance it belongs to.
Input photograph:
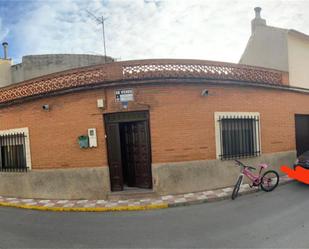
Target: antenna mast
(101, 22)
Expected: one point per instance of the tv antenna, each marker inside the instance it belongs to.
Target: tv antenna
(99, 20)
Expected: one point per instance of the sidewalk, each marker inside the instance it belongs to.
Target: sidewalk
(130, 204)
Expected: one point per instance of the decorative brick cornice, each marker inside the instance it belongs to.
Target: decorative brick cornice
(130, 71)
(223, 71)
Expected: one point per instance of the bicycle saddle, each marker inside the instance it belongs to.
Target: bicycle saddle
(263, 165)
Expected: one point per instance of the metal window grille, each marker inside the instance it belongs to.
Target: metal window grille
(239, 136)
(12, 152)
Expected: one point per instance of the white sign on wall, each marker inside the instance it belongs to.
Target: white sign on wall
(124, 95)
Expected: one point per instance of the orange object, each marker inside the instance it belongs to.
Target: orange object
(299, 174)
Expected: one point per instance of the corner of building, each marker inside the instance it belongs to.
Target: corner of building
(298, 57)
(5, 71)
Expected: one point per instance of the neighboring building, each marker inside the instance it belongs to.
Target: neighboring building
(5, 66)
(167, 126)
(33, 66)
(282, 49)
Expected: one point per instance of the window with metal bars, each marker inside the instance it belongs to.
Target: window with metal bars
(239, 136)
(13, 152)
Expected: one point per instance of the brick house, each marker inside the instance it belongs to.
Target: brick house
(167, 128)
(164, 126)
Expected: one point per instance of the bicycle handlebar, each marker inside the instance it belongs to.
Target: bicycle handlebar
(239, 163)
(245, 166)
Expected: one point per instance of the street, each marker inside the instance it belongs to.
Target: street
(276, 219)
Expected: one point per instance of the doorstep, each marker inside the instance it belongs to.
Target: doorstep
(132, 193)
(124, 202)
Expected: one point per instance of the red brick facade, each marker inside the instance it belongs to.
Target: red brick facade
(181, 121)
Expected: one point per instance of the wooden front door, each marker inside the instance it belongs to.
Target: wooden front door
(141, 154)
(127, 155)
(129, 152)
(302, 133)
(114, 156)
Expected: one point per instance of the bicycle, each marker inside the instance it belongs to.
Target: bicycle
(268, 181)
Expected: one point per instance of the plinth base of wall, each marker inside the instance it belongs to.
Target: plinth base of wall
(77, 183)
(194, 176)
(168, 178)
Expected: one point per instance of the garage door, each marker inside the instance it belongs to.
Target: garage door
(302, 133)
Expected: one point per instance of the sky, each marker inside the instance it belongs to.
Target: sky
(142, 29)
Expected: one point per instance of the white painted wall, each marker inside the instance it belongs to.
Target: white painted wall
(267, 47)
(281, 49)
(5, 72)
(298, 52)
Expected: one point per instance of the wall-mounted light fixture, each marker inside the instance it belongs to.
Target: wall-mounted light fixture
(205, 92)
(46, 107)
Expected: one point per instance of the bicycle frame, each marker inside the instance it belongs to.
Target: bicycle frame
(256, 179)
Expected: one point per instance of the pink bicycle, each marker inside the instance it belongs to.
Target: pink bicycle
(268, 181)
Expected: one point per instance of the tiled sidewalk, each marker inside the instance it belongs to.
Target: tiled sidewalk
(130, 204)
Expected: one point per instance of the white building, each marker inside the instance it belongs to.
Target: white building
(277, 48)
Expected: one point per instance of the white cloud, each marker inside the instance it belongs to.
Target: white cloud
(3, 31)
(137, 29)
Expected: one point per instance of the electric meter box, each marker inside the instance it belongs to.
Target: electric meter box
(92, 134)
(83, 141)
(100, 103)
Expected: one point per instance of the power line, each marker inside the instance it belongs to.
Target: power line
(99, 20)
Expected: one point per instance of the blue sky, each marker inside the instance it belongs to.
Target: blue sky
(139, 29)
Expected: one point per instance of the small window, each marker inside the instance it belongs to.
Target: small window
(13, 151)
(238, 136)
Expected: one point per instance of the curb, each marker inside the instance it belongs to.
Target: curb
(196, 202)
(132, 207)
(85, 209)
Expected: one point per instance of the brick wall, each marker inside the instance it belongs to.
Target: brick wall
(181, 121)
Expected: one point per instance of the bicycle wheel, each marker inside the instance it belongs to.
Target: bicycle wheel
(269, 181)
(237, 186)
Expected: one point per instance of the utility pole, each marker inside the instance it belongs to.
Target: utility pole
(100, 21)
(103, 31)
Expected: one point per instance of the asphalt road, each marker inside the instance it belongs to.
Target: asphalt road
(276, 219)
